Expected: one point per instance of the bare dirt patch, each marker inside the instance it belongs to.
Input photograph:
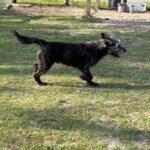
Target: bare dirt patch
(38, 10)
(132, 22)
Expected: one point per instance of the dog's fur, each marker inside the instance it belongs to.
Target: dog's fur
(79, 55)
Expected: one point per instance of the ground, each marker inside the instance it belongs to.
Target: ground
(67, 114)
(125, 21)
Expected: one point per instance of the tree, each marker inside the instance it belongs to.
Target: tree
(14, 1)
(97, 4)
(88, 8)
(66, 2)
(109, 4)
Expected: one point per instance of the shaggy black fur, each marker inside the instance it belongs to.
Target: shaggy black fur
(79, 55)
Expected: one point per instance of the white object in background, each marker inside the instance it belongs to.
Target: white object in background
(136, 7)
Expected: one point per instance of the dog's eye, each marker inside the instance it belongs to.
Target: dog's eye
(117, 45)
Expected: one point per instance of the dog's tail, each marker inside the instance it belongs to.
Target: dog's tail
(28, 40)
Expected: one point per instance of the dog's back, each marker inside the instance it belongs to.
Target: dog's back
(67, 53)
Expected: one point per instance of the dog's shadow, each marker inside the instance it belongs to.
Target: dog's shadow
(124, 86)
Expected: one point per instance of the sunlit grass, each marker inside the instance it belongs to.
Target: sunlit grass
(80, 3)
(148, 5)
(67, 114)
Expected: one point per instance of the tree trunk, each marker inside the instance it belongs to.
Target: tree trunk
(88, 8)
(66, 2)
(109, 4)
(123, 1)
(97, 4)
(14, 1)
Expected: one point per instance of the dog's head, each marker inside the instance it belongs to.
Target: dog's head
(114, 47)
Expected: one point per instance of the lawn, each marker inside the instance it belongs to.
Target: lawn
(67, 114)
(80, 3)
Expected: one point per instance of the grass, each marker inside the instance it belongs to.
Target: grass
(148, 5)
(80, 3)
(68, 115)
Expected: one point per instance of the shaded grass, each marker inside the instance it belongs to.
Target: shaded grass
(67, 114)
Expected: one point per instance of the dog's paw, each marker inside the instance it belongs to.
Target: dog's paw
(92, 84)
(43, 84)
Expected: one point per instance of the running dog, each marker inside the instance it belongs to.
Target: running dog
(79, 55)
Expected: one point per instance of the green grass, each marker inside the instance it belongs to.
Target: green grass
(68, 115)
(148, 5)
(80, 3)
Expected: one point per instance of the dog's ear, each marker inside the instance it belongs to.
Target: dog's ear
(105, 36)
(106, 39)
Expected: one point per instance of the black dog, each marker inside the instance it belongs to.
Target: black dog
(80, 55)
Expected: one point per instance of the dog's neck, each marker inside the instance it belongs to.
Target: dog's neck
(102, 52)
(96, 44)
(100, 47)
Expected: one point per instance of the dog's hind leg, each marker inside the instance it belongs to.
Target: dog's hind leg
(41, 67)
(35, 68)
(40, 71)
(87, 76)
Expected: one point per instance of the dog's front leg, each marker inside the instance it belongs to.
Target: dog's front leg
(87, 76)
